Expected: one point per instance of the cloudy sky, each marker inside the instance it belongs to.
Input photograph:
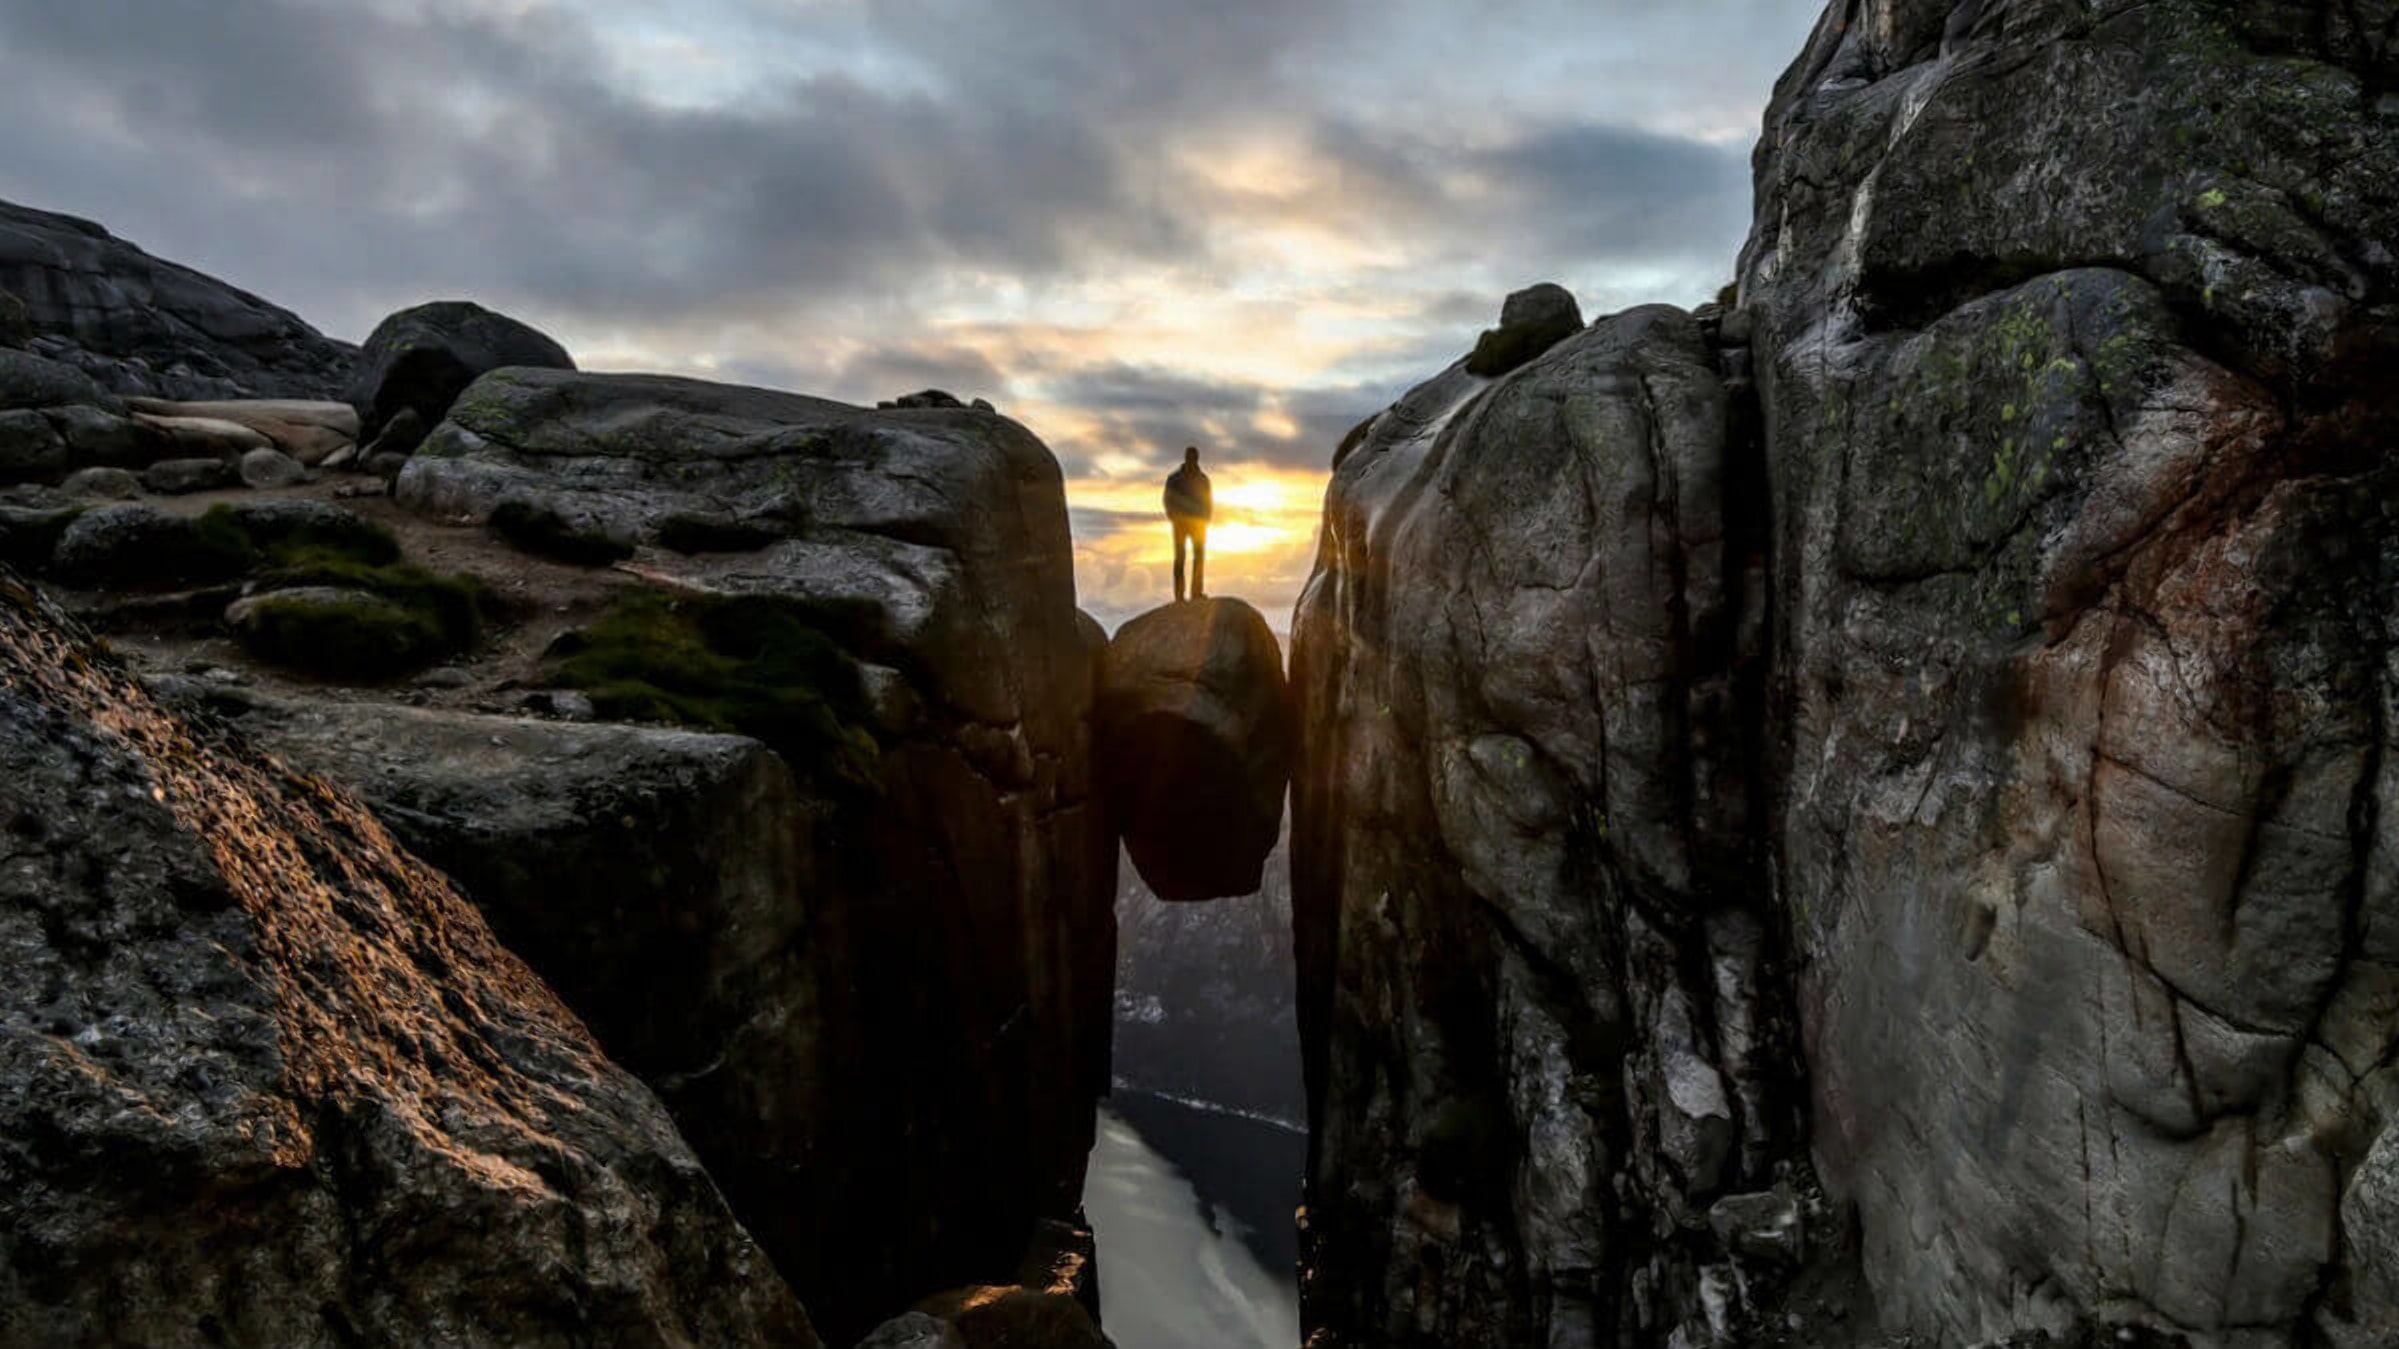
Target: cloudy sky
(1133, 224)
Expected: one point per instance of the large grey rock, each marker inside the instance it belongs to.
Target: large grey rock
(2074, 331)
(207, 437)
(970, 888)
(308, 431)
(419, 360)
(1538, 999)
(1195, 743)
(266, 1079)
(143, 326)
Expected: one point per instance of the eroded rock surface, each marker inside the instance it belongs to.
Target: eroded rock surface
(1195, 741)
(267, 1079)
(141, 325)
(2075, 328)
(1539, 997)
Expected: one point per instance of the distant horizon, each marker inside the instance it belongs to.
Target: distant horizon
(1132, 227)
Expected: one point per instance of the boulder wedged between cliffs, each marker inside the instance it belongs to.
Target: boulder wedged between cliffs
(1195, 742)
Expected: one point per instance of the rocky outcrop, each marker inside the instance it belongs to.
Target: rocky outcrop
(140, 325)
(265, 1078)
(2074, 327)
(1194, 728)
(954, 898)
(1536, 947)
(417, 362)
(2020, 678)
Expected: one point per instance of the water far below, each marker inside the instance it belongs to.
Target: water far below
(1192, 1209)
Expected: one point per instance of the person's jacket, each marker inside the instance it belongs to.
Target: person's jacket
(1187, 496)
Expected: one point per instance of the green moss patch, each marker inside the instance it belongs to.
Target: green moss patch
(345, 633)
(542, 531)
(754, 665)
(340, 602)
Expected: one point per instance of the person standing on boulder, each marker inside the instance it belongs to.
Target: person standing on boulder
(1188, 507)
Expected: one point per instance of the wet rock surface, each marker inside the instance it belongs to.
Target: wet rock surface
(268, 1079)
(1195, 739)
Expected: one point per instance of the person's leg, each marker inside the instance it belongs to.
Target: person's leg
(1199, 560)
(1182, 537)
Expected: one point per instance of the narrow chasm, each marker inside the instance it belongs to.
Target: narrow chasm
(1195, 1177)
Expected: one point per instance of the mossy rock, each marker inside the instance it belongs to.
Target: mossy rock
(340, 632)
(544, 532)
(754, 665)
(16, 326)
(284, 531)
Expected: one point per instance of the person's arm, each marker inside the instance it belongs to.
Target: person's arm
(1207, 498)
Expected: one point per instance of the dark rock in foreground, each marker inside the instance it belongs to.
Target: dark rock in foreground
(1195, 746)
(417, 362)
(266, 1079)
(141, 325)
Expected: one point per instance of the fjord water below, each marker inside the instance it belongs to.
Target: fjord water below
(1192, 1209)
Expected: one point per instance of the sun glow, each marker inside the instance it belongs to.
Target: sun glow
(1260, 547)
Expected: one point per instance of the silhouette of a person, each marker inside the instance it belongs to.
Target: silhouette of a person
(1188, 508)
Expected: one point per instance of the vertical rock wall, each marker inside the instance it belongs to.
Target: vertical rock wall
(2076, 330)
(1535, 949)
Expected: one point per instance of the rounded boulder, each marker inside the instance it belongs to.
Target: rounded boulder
(419, 360)
(1195, 734)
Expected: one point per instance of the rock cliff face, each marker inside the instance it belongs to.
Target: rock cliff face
(2076, 333)
(140, 325)
(939, 955)
(2002, 691)
(265, 1078)
(1538, 1003)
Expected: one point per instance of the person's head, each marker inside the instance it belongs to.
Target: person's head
(1191, 457)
